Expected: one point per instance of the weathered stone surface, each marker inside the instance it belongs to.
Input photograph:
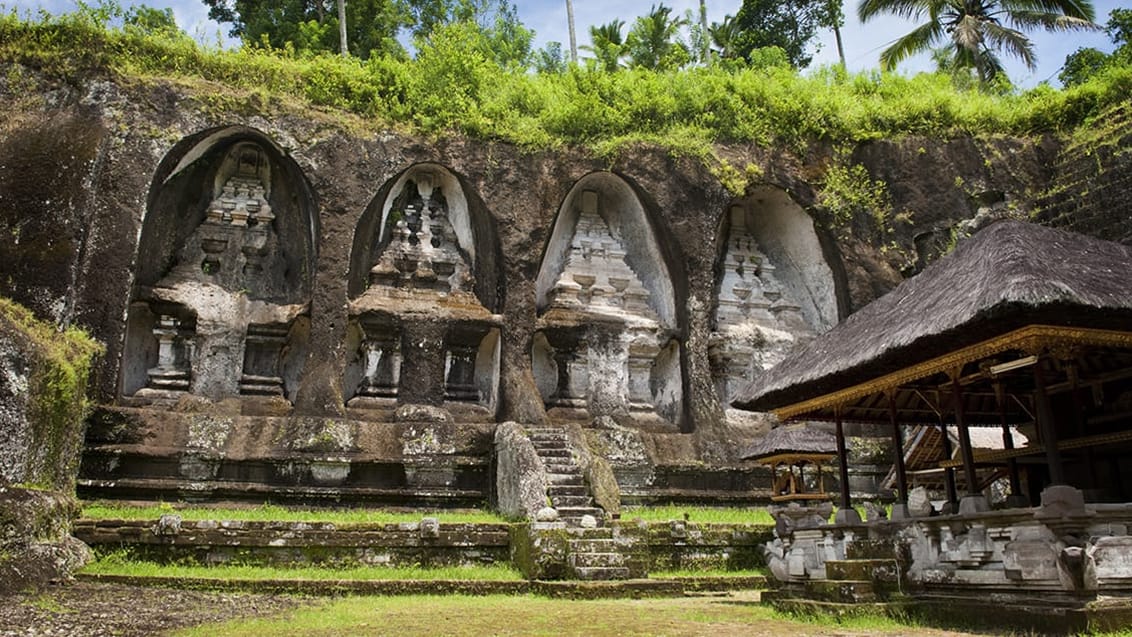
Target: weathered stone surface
(520, 474)
(35, 542)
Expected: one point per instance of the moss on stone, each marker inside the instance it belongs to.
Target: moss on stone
(58, 364)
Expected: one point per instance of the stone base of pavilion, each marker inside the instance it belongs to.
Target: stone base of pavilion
(1062, 567)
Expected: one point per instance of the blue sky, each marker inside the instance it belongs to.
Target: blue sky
(547, 18)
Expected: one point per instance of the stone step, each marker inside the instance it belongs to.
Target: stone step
(875, 570)
(570, 501)
(566, 489)
(579, 534)
(561, 467)
(598, 573)
(862, 549)
(844, 591)
(555, 455)
(534, 432)
(595, 545)
(591, 560)
(565, 479)
(549, 444)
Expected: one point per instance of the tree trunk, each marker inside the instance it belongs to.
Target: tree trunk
(705, 51)
(342, 28)
(573, 39)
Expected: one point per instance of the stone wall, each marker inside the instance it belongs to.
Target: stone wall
(263, 259)
(212, 542)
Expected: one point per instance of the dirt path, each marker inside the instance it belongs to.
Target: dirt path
(92, 609)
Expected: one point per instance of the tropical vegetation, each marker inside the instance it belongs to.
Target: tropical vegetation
(976, 32)
(473, 78)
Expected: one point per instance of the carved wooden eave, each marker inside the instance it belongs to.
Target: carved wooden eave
(1029, 340)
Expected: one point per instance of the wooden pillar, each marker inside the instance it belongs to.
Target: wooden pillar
(900, 508)
(1016, 499)
(846, 514)
(952, 505)
(974, 501)
(1046, 426)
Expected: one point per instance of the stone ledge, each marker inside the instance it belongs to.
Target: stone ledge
(674, 587)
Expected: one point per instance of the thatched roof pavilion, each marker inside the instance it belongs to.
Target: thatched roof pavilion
(1020, 324)
(795, 446)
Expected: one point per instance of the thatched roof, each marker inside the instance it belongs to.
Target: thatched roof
(787, 440)
(1009, 275)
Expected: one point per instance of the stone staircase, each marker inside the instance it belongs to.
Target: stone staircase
(600, 553)
(869, 575)
(567, 487)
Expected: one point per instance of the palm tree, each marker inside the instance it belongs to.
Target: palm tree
(608, 46)
(652, 41)
(724, 36)
(978, 29)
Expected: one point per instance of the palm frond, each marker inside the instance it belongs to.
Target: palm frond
(1013, 42)
(907, 9)
(1049, 21)
(919, 39)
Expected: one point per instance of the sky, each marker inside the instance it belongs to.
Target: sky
(863, 42)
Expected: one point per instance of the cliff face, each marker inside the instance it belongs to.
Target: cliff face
(223, 246)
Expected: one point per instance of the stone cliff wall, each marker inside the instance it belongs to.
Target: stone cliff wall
(121, 200)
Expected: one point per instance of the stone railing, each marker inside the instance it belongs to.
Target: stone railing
(1063, 548)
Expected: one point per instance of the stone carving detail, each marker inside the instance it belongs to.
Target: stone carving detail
(174, 355)
(423, 251)
(423, 266)
(263, 351)
(756, 321)
(596, 277)
(382, 351)
(218, 316)
(603, 346)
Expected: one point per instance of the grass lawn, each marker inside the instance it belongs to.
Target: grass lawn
(699, 514)
(526, 615)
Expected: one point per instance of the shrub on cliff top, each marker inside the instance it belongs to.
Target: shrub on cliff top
(451, 87)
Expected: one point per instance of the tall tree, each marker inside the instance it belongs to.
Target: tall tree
(652, 42)
(573, 37)
(342, 28)
(705, 40)
(1083, 63)
(977, 31)
(315, 25)
(724, 37)
(608, 45)
(790, 25)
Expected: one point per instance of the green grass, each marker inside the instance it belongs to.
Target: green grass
(698, 514)
(115, 564)
(462, 616)
(275, 513)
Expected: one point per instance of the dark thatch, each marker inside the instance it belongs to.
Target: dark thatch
(793, 440)
(1009, 275)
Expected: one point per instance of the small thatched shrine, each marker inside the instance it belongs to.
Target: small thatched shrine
(1021, 327)
(789, 451)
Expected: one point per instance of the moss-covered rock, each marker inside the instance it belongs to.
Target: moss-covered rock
(43, 379)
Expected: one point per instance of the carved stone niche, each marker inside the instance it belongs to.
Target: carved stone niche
(223, 274)
(606, 340)
(774, 289)
(375, 374)
(471, 368)
(417, 248)
(163, 368)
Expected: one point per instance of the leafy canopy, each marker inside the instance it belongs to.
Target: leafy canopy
(790, 25)
(977, 31)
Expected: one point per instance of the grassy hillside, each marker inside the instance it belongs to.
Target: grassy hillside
(452, 86)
